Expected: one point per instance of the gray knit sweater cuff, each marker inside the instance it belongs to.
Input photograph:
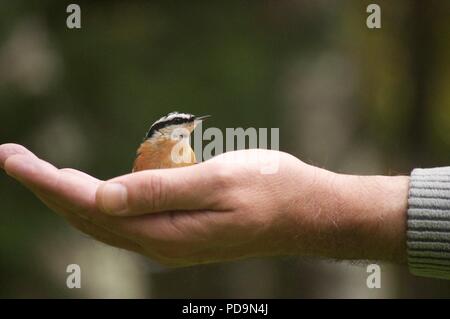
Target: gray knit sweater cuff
(428, 238)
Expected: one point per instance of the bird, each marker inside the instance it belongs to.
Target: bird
(166, 144)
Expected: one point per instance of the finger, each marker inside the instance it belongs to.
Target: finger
(80, 174)
(188, 188)
(95, 231)
(77, 193)
(7, 150)
(70, 189)
(103, 235)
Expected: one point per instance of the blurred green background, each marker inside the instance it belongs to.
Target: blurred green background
(345, 98)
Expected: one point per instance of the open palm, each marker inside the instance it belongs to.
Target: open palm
(207, 212)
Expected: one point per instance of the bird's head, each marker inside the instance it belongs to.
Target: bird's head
(175, 126)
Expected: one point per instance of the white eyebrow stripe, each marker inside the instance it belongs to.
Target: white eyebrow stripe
(173, 115)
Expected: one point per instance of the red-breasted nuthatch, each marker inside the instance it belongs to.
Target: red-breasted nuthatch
(163, 143)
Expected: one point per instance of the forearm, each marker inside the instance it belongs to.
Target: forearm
(355, 217)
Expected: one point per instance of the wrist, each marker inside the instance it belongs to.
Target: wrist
(351, 217)
(375, 213)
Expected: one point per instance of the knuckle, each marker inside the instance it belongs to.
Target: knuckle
(68, 170)
(223, 177)
(154, 193)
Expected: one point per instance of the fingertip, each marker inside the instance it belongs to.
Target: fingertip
(10, 149)
(18, 165)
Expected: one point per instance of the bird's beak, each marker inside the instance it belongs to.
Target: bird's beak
(202, 118)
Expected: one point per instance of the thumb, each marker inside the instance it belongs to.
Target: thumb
(195, 187)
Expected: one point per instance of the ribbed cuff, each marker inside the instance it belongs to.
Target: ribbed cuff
(428, 237)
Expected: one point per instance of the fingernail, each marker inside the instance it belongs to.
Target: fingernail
(113, 198)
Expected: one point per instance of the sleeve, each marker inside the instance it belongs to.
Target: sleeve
(428, 230)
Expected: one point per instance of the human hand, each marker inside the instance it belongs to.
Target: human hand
(217, 210)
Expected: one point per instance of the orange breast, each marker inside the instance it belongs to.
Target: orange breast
(154, 155)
